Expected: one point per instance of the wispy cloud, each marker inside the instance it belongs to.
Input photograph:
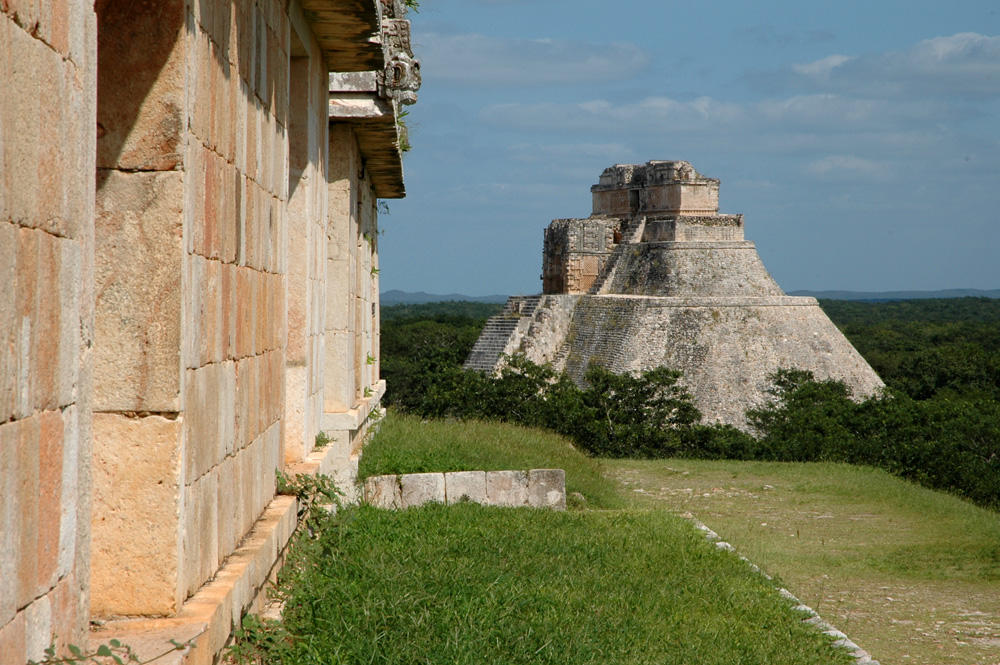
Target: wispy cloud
(966, 65)
(848, 167)
(475, 58)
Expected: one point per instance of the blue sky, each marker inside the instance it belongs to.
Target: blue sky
(861, 140)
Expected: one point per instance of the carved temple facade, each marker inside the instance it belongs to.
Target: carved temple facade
(189, 296)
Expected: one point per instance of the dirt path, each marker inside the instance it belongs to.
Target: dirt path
(912, 576)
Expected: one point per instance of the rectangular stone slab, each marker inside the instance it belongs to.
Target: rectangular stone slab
(547, 488)
(384, 492)
(507, 488)
(465, 486)
(421, 488)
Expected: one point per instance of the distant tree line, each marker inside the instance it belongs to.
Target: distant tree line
(938, 422)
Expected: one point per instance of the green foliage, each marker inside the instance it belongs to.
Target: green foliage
(315, 494)
(927, 348)
(625, 415)
(526, 586)
(942, 444)
(114, 651)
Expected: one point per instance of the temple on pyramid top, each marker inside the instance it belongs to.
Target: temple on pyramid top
(655, 188)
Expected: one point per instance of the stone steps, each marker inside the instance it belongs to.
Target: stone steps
(498, 331)
(632, 231)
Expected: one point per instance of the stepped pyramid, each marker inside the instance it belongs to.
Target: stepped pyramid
(657, 277)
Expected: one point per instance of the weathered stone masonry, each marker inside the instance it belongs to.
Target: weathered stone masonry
(657, 277)
(183, 309)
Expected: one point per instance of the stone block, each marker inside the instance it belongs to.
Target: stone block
(547, 488)
(10, 520)
(507, 488)
(46, 329)
(383, 492)
(50, 456)
(141, 111)
(27, 299)
(228, 523)
(22, 143)
(419, 488)
(70, 496)
(201, 544)
(207, 400)
(296, 432)
(465, 486)
(136, 503)
(28, 471)
(71, 289)
(10, 318)
(13, 640)
(38, 628)
(138, 283)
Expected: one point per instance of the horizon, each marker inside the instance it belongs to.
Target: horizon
(864, 154)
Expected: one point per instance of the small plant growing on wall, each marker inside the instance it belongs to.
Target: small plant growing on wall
(111, 652)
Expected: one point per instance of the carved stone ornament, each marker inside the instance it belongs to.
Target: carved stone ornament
(401, 77)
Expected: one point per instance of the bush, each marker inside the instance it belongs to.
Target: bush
(939, 443)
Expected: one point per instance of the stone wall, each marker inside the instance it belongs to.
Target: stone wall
(575, 252)
(164, 337)
(47, 64)
(537, 488)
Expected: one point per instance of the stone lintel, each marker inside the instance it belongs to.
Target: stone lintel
(349, 33)
(353, 82)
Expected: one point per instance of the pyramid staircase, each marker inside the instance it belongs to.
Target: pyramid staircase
(501, 332)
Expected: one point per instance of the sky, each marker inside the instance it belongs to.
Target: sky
(860, 140)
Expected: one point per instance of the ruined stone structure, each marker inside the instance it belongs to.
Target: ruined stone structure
(188, 297)
(657, 277)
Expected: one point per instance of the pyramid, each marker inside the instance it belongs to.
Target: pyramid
(657, 277)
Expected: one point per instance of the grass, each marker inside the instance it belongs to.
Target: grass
(473, 584)
(406, 444)
(911, 574)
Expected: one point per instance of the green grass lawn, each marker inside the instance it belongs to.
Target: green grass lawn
(911, 574)
(474, 584)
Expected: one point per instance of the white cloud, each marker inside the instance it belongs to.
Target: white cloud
(848, 167)
(966, 64)
(822, 67)
(475, 58)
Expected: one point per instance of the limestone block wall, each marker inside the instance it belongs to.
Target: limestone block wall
(352, 326)
(47, 115)
(307, 244)
(575, 251)
(200, 217)
(537, 488)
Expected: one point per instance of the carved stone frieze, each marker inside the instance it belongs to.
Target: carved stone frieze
(401, 76)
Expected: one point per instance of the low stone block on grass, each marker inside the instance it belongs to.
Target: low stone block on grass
(465, 486)
(507, 488)
(421, 488)
(547, 488)
(383, 492)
